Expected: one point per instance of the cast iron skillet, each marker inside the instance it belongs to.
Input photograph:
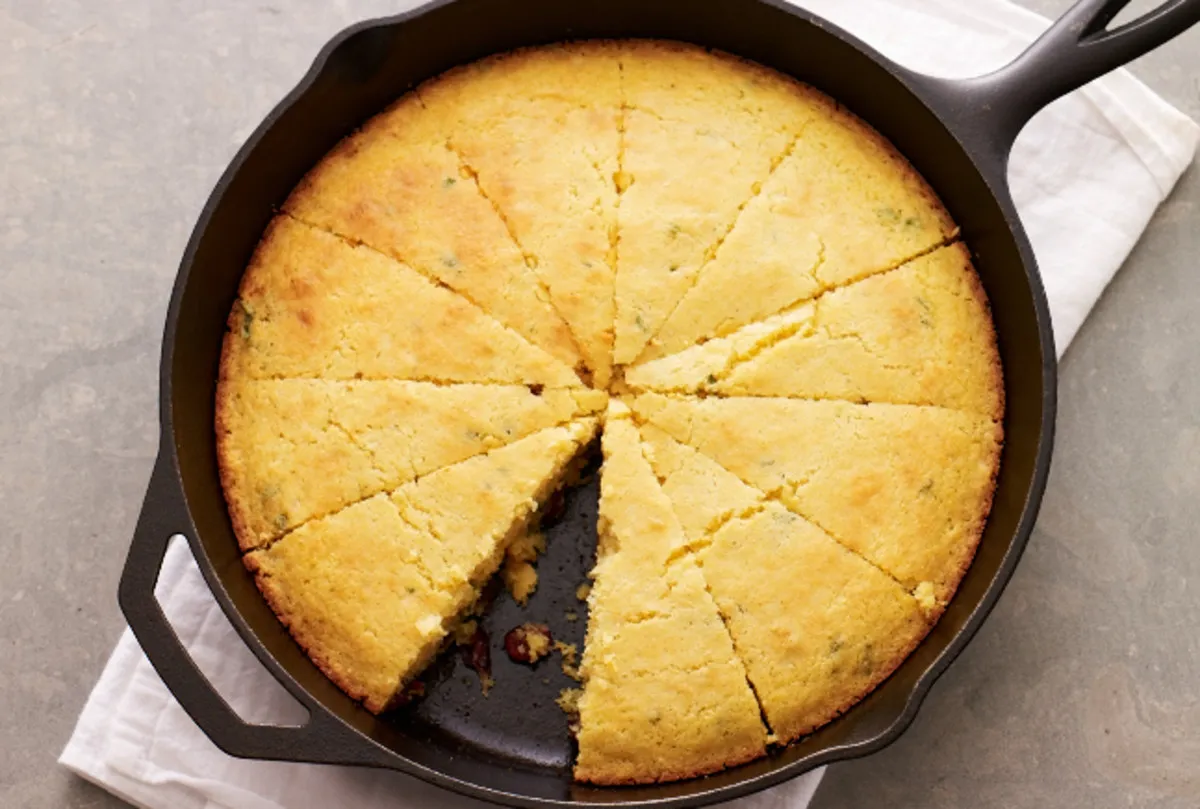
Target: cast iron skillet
(513, 748)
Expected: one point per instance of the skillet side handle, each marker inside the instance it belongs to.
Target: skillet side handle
(1076, 49)
(164, 514)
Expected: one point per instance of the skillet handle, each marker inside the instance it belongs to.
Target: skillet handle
(1073, 51)
(164, 514)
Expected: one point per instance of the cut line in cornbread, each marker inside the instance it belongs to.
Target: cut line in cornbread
(702, 134)
(796, 238)
(547, 162)
(919, 334)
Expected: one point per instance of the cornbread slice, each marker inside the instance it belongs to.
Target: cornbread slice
(908, 488)
(919, 334)
(312, 305)
(797, 238)
(348, 590)
(538, 130)
(398, 187)
(664, 696)
(294, 449)
(371, 596)
(817, 627)
(701, 134)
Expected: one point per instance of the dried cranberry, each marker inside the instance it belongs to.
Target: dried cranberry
(477, 654)
(528, 643)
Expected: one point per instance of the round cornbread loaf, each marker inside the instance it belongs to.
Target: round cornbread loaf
(761, 306)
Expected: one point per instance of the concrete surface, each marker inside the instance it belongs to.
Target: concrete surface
(1081, 691)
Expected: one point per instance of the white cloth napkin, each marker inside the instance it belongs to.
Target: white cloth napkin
(1087, 175)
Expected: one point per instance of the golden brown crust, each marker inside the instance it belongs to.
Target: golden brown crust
(624, 777)
(274, 600)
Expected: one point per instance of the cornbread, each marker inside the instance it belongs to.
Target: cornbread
(907, 488)
(664, 695)
(768, 309)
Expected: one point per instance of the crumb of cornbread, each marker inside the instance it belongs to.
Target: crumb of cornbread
(568, 701)
(520, 576)
(570, 658)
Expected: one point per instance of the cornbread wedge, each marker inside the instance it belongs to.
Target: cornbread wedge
(919, 334)
(294, 449)
(312, 305)
(908, 488)
(398, 187)
(547, 159)
(371, 596)
(796, 238)
(701, 134)
(664, 696)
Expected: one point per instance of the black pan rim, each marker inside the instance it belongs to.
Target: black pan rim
(389, 759)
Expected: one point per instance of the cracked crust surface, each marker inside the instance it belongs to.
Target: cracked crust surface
(807, 349)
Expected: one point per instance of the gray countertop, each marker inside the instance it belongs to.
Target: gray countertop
(1082, 690)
